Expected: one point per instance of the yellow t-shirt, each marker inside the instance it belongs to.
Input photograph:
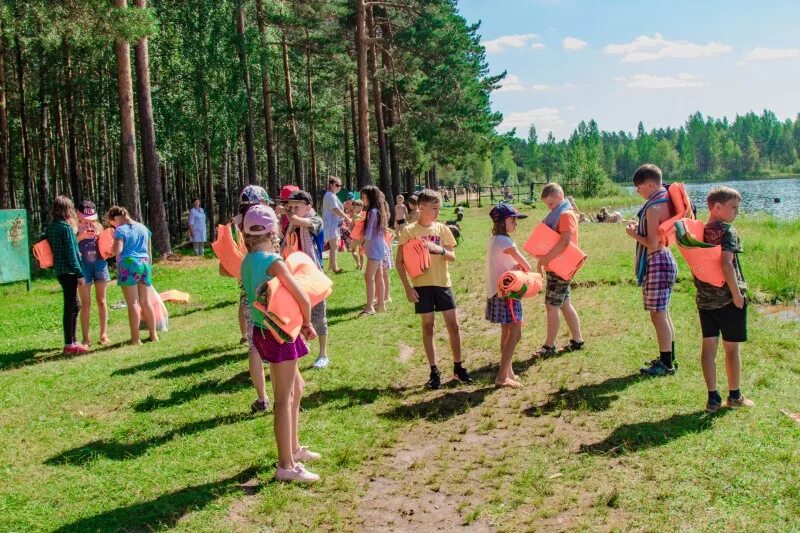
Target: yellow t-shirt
(437, 274)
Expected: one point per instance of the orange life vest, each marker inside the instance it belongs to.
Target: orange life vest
(681, 205)
(704, 262)
(43, 253)
(228, 251)
(566, 264)
(517, 284)
(104, 242)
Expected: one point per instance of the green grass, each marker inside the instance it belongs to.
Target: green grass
(160, 436)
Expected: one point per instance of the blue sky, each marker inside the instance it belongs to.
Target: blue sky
(623, 61)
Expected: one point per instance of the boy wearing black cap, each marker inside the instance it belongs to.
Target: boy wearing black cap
(303, 234)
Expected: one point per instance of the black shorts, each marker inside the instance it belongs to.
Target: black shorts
(434, 298)
(729, 320)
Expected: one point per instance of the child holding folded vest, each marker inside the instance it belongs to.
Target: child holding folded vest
(431, 291)
(723, 309)
(260, 265)
(502, 255)
(562, 219)
(656, 269)
(305, 225)
(95, 271)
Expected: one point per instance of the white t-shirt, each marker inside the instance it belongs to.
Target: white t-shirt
(497, 261)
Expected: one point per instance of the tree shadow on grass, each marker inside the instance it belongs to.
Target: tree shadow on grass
(346, 397)
(592, 397)
(204, 365)
(165, 361)
(162, 512)
(190, 311)
(121, 451)
(630, 438)
(441, 407)
(212, 386)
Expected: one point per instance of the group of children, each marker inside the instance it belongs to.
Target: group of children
(73, 236)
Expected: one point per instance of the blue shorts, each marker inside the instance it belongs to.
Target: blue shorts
(96, 271)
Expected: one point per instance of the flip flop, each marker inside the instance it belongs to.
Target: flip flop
(364, 312)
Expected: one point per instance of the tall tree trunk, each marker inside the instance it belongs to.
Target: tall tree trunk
(364, 177)
(5, 191)
(223, 196)
(130, 182)
(354, 124)
(348, 174)
(377, 98)
(390, 112)
(157, 214)
(61, 148)
(24, 141)
(249, 136)
(74, 176)
(272, 165)
(311, 141)
(293, 142)
(240, 163)
(44, 186)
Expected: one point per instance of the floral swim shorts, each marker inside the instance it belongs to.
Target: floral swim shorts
(134, 270)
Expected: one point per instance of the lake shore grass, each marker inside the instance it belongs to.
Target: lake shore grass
(160, 436)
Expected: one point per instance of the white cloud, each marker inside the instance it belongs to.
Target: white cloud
(540, 87)
(545, 119)
(537, 46)
(570, 85)
(496, 46)
(765, 54)
(511, 84)
(571, 43)
(651, 82)
(646, 48)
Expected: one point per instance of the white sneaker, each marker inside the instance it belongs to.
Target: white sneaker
(304, 454)
(298, 473)
(321, 362)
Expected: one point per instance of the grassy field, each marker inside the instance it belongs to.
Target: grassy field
(160, 436)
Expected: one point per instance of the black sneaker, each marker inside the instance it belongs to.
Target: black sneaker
(657, 369)
(460, 374)
(436, 380)
(545, 351)
(260, 407)
(654, 361)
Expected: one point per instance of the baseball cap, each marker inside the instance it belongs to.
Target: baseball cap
(253, 194)
(87, 210)
(287, 191)
(351, 195)
(260, 220)
(503, 211)
(300, 196)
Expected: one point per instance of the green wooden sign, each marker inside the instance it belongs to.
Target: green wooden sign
(15, 262)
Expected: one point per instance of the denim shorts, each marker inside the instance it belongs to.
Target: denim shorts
(96, 271)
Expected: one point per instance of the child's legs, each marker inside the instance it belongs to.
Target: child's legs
(572, 320)
(369, 281)
(428, 321)
(510, 336)
(102, 306)
(256, 369)
(319, 320)
(663, 324)
(387, 287)
(333, 244)
(553, 322)
(453, 332)
(147, 310)
(733, 364)
(380, 288)
(131, 293)
(708, 361)
(282, 376)
(85, 293)
(242, 320)
(299, 386)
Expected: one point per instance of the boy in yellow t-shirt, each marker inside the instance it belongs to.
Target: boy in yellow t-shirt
(431, 291)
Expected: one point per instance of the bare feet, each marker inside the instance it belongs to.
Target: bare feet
(85, 342)
(135, 342)
(508, 382)
(154, 338)
(104, 341)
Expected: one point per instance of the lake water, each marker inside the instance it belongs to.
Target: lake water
(757, 196)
